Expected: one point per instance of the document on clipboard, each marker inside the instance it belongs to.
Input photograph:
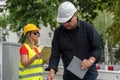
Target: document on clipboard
(46, 52)
(75, 68)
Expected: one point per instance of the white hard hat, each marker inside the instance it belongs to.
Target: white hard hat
(65, 11)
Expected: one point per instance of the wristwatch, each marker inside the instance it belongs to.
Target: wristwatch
(91, 61)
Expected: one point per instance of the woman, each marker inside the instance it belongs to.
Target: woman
(30, 66)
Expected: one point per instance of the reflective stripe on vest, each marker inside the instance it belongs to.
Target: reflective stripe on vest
(30, 67)
(30, 75)
(34, 71)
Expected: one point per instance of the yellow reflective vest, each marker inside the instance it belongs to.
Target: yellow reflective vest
(35, 70)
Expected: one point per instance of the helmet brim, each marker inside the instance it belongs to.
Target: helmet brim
(63, 20)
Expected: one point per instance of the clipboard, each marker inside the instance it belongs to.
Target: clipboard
(46, 52)
(75, 68)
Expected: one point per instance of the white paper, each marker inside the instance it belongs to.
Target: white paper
(75, 68)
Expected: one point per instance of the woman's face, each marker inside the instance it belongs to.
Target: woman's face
(71, 24)
(35, 35)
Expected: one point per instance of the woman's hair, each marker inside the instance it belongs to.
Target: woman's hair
(29, 39)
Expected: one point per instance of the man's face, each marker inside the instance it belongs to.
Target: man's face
(71, 24)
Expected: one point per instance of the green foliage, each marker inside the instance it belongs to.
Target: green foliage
(22, 39)
(114, 30)
(3, 22)
(44, 12)
(38, 12)
(31, 11)
(87, 8)
(103, 21)
(117, 55)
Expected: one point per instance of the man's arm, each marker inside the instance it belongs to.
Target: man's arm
(55, 53)
(95, 43)
(51, 74)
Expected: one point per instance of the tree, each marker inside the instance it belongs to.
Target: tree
(38, 12)
(102, 22)
(4, 21)
(44, 12)
(117, 55)
(114, 29)
(31, 11)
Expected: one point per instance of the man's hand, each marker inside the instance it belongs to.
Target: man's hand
(51, 74)
(87, 63)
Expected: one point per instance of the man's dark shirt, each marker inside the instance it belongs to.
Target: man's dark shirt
(82, 42)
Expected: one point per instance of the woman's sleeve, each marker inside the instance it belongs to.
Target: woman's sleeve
(23, 50)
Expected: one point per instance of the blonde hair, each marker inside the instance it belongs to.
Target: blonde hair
(29, 40)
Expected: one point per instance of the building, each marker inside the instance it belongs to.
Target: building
(46, 35)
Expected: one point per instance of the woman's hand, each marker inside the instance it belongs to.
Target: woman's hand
(38, 55)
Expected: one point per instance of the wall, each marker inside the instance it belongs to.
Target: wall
(0, 54)
(108, 75)
(10, 61)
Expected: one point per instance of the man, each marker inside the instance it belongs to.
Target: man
(74, 38)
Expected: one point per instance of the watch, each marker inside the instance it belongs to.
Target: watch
(91, 61)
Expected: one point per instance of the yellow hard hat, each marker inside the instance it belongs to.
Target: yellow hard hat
(30, 27)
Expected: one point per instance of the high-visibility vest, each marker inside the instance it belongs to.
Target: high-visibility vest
(35, 70)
